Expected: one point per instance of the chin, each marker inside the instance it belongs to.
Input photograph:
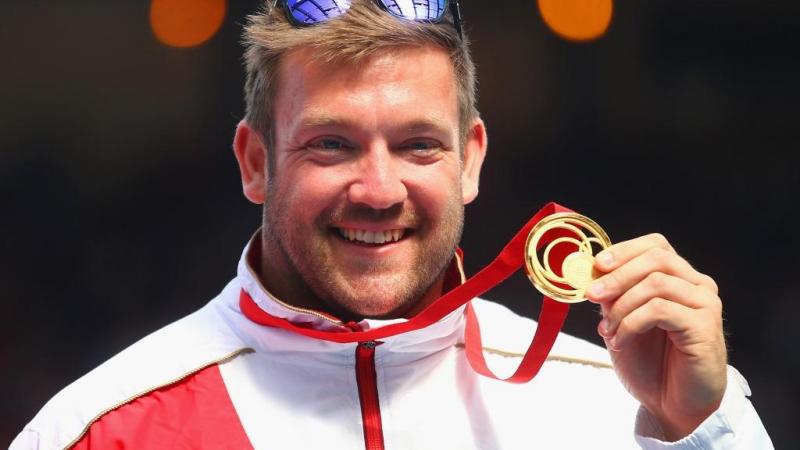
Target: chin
(369, 308)
(376, 304)
(389, 295)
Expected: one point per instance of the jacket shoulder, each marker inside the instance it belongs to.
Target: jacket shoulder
(162, 358)
(506, 333)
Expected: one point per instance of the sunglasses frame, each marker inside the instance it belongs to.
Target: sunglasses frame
(455, 10)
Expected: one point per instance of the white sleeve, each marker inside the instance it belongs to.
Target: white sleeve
(735, 425)
(26, 440)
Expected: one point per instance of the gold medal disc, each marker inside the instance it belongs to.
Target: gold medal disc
(577, 270)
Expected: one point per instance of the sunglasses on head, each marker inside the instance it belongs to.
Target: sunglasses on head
(310, 12)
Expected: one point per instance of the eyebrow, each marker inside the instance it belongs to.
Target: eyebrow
(324, 120)
(431, 122)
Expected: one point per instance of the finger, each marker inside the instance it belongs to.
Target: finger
(656, 313)
(622, 252)
(656, 285)
(615, 283)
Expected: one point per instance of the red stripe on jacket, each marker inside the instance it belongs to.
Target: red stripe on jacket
(194, 413)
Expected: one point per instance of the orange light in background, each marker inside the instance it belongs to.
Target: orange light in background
(577, 20)
(186, 23)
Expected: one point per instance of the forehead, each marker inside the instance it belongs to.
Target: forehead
(398, 84)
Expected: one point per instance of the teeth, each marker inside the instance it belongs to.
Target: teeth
(371, 237)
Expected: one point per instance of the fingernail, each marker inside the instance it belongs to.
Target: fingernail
(604, 327)
(597, 288)
(605, 257)
(612, 344)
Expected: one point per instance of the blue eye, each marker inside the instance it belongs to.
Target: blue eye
(328, 144)
(420, 145)
(423, 146)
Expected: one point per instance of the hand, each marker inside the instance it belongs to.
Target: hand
(662, 322)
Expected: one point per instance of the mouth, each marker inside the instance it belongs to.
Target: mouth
(372, 237)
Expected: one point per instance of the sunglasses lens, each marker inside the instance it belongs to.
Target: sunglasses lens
(315, 11)
(422, 10)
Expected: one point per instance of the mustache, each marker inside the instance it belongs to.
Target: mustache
(398, 213)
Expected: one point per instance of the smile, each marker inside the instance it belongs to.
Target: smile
(371, 237)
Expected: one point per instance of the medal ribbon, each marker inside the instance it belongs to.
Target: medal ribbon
(510, 259)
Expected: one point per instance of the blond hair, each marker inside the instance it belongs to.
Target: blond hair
(362, 31)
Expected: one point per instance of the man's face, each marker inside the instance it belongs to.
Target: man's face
(364, 207)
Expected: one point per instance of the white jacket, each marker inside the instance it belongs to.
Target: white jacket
(294, 392)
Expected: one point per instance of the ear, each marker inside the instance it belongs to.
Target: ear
(251, 155)
(474, 153)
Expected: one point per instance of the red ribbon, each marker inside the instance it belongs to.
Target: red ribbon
(510, 259)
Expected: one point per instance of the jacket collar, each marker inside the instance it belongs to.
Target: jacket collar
(445, 333)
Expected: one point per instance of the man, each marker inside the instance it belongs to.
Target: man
(363, 143)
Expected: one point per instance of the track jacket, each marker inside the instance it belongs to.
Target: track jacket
(217, 380)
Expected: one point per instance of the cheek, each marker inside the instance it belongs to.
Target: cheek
(439, 194)
(308, 194)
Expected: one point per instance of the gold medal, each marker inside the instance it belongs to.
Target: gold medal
(577, 269)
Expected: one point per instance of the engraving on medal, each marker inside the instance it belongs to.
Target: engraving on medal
(578, 268)
(566, 232)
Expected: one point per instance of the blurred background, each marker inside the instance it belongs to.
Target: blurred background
(121, 206)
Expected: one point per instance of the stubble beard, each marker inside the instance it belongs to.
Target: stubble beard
(317, 281)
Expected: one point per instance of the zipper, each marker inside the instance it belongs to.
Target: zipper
(366, 378)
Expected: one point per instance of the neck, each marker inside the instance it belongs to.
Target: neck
(433, 293)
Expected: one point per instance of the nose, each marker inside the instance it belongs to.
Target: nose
(378, 182)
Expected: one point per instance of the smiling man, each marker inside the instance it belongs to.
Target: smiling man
(365, 190)
(363, 143)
